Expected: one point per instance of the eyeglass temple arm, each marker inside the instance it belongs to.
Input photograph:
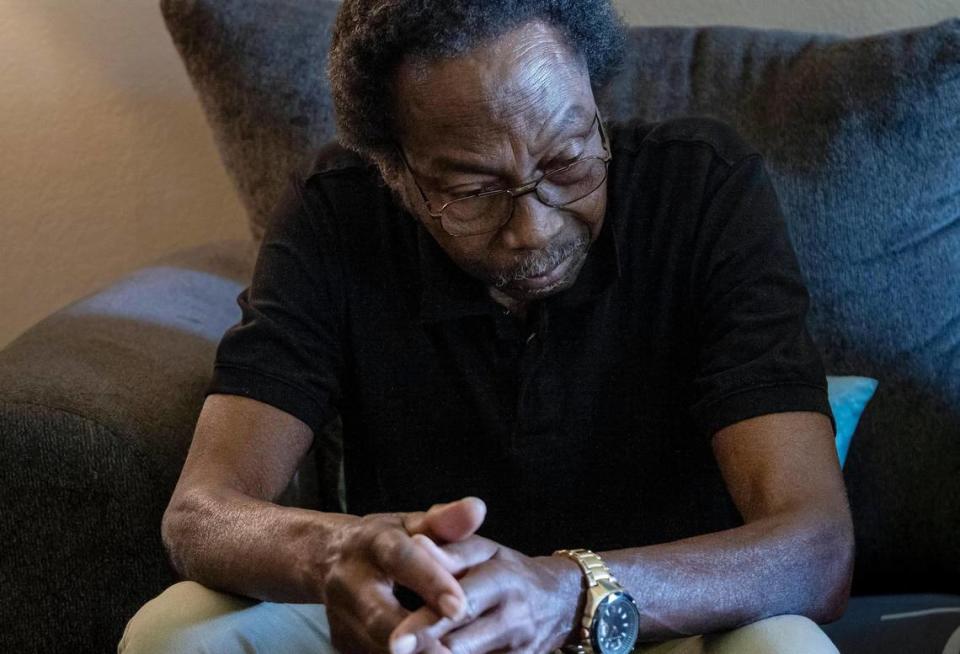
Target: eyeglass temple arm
(413, 176)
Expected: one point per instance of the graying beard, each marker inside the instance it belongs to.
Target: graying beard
(539, 264)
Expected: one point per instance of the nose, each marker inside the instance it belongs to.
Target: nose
(533, 225)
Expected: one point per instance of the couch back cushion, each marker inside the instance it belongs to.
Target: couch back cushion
(259, 69)
(862, 139)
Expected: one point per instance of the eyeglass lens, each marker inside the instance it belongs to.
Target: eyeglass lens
(485, 213)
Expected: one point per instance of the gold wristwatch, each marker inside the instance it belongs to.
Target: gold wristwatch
(611, 619)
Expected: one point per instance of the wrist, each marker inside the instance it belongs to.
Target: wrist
(610, 617)
(322, 549)
(569, 591)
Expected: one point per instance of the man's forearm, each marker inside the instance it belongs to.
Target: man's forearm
(233, 542)
(722, 580)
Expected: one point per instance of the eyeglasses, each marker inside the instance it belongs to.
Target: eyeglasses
(487, 211)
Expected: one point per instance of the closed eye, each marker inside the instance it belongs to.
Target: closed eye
(563, 163)
(456, 193)
(462, 193)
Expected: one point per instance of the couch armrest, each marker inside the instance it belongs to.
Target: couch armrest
(98, 404)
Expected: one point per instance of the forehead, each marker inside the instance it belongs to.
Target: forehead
(528, 83)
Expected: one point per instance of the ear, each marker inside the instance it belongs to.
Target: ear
(391, 174)
(388, 164)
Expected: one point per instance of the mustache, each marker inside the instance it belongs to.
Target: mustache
(540, 263)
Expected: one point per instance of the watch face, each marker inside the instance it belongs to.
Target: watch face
(617, 625)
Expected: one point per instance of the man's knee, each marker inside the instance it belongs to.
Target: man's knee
(782, 634)
(178, 620)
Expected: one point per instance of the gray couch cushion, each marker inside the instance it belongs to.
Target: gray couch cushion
(145, 335)
(98, 403)
(259, 68)
(861, 139)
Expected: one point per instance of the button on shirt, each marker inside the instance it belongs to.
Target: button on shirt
(588, 424)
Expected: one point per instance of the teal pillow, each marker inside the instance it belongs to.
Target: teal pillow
(848, 398)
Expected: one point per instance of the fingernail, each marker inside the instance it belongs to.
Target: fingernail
(451, 606)
(480, 504)
(405, 644)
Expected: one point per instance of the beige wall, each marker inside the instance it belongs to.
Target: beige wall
(838, 16)
(106, 161)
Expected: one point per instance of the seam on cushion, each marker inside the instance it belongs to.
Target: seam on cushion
(283, 381)
(142, 456)
(61, 410)
(761, 386)
(151, 473)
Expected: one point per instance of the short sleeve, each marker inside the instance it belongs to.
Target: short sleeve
(286, 350)
(755, 354)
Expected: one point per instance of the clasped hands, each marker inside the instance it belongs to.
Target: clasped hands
(479, 596)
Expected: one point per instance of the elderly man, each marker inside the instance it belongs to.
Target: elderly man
(580, 405)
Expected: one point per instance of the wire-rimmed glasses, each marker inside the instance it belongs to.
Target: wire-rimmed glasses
(487, 211)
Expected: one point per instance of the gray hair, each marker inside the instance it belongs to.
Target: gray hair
(372, 37)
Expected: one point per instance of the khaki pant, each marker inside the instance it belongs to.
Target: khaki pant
(188, 618)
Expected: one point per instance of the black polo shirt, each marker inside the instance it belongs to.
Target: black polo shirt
(588, 426)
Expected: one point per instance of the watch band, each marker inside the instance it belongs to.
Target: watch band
(593, 566)
(595, 571)
(601, 584)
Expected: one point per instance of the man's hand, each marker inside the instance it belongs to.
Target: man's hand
(515, 603)
(376, 551)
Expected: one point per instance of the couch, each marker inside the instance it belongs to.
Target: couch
(98, 401)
